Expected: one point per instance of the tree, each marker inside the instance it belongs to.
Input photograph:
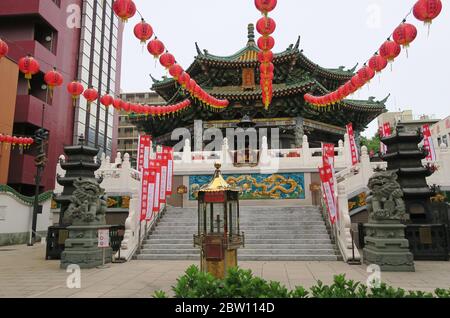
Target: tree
(372, 144)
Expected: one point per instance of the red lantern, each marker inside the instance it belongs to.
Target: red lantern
(156, 48)
(266, 43)
(265, 56)
(53, 79)
(29, 67)
(184, 79)
(266, 26)
(124, 9)
(167, 60)
(366, 74)
(266, 68)
(117, 103)
(106, 100)
(378, 63)
(8, 139)
(126, 106)
(427, 10)
(143, 31)
(175, 71)
(91, 95)
(75, 89)
(404, 34)
(265, 6)
(3, 48)
(357, 81)
(390, 50)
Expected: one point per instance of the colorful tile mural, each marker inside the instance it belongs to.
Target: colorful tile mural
(283, 186)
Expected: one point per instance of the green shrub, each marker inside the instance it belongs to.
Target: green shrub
(240, 283)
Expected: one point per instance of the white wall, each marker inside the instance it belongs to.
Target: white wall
(16, 217)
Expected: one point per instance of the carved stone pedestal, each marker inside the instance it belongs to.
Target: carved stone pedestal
(387, 247)
(81, 248)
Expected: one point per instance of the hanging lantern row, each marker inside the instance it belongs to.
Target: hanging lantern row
(124, 9)
(403, 36)
(147, 110)
(144, 32)
(195, 90)
(23, 142)
(266, 27)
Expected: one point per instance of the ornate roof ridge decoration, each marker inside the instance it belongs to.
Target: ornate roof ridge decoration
(23, 198)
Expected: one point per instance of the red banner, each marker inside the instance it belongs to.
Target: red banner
(353, 149)
(428, 143)
(328, 155)
(144, 149)
(144, 193)
(169, 152)
(385, 131)
(156, 166)
(163, 161)
(326, 177)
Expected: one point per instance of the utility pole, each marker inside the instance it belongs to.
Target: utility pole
(41, 139)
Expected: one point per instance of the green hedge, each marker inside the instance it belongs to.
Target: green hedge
(242, 284)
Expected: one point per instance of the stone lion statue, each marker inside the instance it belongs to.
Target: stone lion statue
(88, 204)
(386, 198)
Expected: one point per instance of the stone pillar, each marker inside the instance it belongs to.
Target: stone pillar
(198, 135)
(299, 132)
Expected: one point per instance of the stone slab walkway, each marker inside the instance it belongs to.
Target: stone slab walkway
(25, 273)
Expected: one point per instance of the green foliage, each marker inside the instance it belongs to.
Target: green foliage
(371, 144)
(241, 283)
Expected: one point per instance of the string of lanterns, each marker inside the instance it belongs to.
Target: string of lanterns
(22, 142)
(266, 27)
(403, 36)
(147, 110)
(126, 9)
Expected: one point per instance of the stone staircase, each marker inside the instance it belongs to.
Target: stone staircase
(271, 234)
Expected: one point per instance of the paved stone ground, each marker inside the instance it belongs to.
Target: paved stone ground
(25, 273)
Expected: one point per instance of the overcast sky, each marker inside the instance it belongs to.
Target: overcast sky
(333, 33)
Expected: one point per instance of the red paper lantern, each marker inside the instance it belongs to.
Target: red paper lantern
(366, 74)
(75, 89)
(266, 68)
(106, 100)
(126, 106)
(404, 34)
(265, 6)
(3, 48)
(117, 103)
(91, 95)
(378, 63)
(184, 79)
(357, 81)
(8, 139)
(156, 48)
(427, 10)
(28, 66)
(175, 71)
(390, 50)
(266, 43)
(53, 79)
(143, 31)
(167, 60)
(266, 26)
(265, 56)
(124, 9)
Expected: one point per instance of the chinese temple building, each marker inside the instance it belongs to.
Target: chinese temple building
(235, 78)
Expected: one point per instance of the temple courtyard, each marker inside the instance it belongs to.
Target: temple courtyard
(25, 273)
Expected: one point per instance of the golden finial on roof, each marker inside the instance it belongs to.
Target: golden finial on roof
(217, 183)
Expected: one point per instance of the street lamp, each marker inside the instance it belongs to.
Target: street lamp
(40, 161)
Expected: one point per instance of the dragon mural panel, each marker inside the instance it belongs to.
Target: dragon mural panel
(280, 186)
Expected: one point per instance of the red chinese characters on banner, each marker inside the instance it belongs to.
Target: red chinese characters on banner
(428, 143)
(353, 149)
(144, 193)
(385, 131)
(145, 146)
(326, 177)
(169, 152)
(163, 160)
(151, 194)
(156, 166)
(328, 154)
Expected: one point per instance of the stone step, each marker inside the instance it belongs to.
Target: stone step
(188, 257)
(252, 223)
(249, 232)
(290, 236)
(300, 246)
(172, 251)
(188, 241)
(311, 251)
